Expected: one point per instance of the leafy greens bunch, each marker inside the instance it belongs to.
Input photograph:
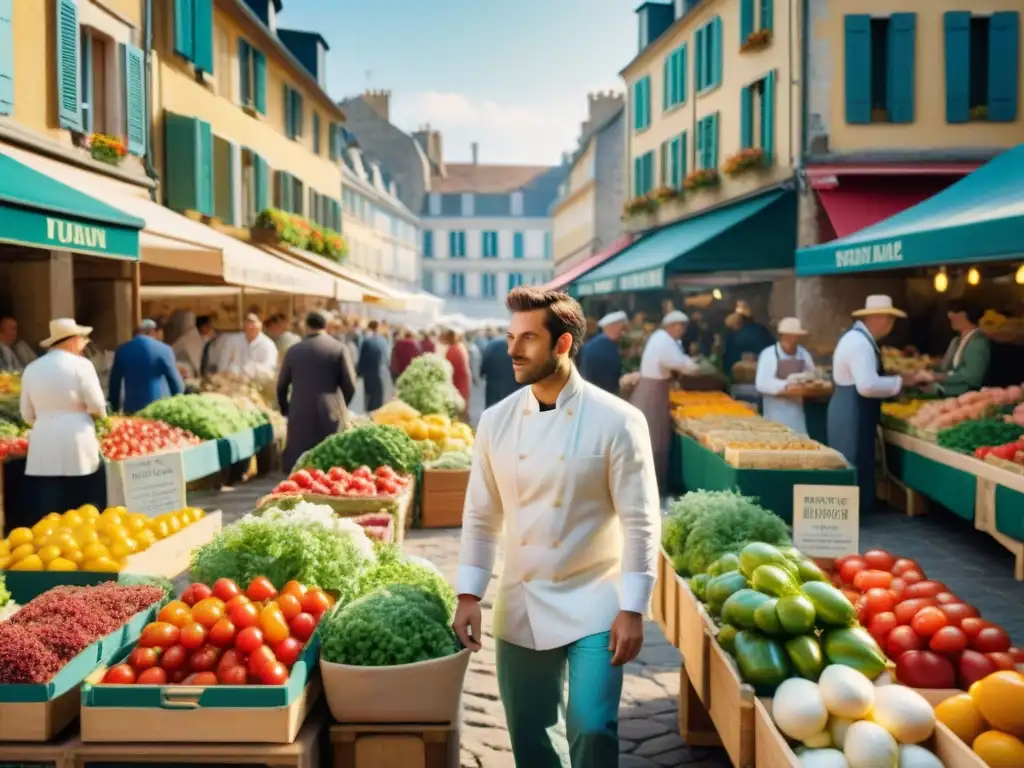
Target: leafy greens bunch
(207, 416)
(372, 445)
(426, 385)
(394, 567)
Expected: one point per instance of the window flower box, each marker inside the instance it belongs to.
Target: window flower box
(757, 40)
(744, 161)
(978, 114)
(705, 178)
(275, 227)
(664, 193)
(107, 149)
(639, 205)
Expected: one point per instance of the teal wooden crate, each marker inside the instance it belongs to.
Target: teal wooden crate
(1010, 512)
(953, 488)
(201, 460)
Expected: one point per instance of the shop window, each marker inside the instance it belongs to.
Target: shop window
(880, 69)
(457, 244)
(982, 66)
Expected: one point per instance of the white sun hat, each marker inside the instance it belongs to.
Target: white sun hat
(673, 317)
(613, 317)
(791, 326)
(879, 304)
(64, 328)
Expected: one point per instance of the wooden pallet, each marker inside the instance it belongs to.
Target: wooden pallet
(395, 746)
(58, 752)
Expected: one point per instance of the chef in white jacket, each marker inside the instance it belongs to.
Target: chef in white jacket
(564, 470)
(774, 367)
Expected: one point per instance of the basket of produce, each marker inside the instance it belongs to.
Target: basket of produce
(990, 719)
(207, 416)
(126, 437)
(443, 490)
(434, 433)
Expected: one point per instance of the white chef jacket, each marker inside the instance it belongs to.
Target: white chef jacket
(855, 362)
(785, 410)
(663, 355)
(575, 490)
(59, 392)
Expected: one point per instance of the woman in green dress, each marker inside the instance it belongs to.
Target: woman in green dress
(965, 365)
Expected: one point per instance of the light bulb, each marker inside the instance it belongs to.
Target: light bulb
(941, 281)
(973, 276)
(717, 294)
(1019, 277)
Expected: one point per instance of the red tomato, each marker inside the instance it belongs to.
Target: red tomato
(244, 615)
(1002, 660)
(928, 621)
(192, 636)
(274, 625)
(912, 577)
(901, 640)
(208, 612)
(852, 595)
(1017, 653)
(273, 673)
(946, 597)
(232, 676)
(315, 601)
(904, 564)
(294, 588)
(205, 678)
(302, 478)
(924, 669)
(143, 658)
(337, 474)
(159, 634)
(249, 639)
(226, 589)
(991, 639)
(972, 625)
(320, 489)
(906, 610)
(948, 640)
(879, 559)
(303, 626)
(152, 676)
(120, 674)
(879, 600)
(287, 486)
(174, 658)
(176, 612)
(881, 625)
(205, 659)
(865, 580)
(957, 612)
(237, 600)
(194, 593)
(222, 634)
(287, 651)
(363, 472)
(974, 666)
(384, 471)
(924, 589)
(260, 589)
(232, 658)
(897, 586)
(290, 605)
(260, 658)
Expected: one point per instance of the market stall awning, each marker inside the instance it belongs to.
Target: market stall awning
(372, 291)
(38, 211)
(591, 262)
(851, 210)
(757, 233)
(980, 218)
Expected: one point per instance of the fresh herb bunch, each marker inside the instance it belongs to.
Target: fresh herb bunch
(371, 445)
(394, 567)
(969, 436)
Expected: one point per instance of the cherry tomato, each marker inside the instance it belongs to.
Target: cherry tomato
(174, 658)
(208, 612)
(866, 580)
(244, 615)
(143, 658)
(905, 564)
(287, 651)
(152, 676)
(901, 640)
(195, 593)
(290, 605)
(274, 673)
(192, 636)
(249, 639)
(947, 597)
(205, 659)
(237, 600)
(906, 610)
(159, 634)
(120, 674)
(1002, 660)
(222, 634)
(991, 639)
(205, 678)
(260, 589)
(1017, 653)
(176, 612)
(948, 640)
(972, 625)
(315, 601)
(260, 658)
(294, 588)
(274, 626)
(175, 677)
(232, 658)
(924, 589)
(879, 559)
(849, 569)
(226, 589)
(303, 626)
(861, 606)
(928, 621)
(232, 675)
(958, 612)
(881, 625)
(879, 600)
(912, 577)
(853, 595)
(898, 586)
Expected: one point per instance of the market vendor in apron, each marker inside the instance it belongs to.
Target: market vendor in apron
(860, 387)
(774, 366)
(965, 364)
(663, 355)
(600, 358)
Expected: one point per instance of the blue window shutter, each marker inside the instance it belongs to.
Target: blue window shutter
(746, 119)
(68, 85)
(1003, 66)
(713, 152)
(202, 30)
(260, 182)
(244, 72)
(958, 65)
(6, 58)
(902, 74)
(184, 29)
(768, 118)
(205, 168)
(681, 73)
(666, 83)
(259, 81)
(135, 99)
(428, 244)
(767, 14)
(857, 61)
(700, 143)
(85, 41)
(716, 61)
(746, 20)
(698, 59)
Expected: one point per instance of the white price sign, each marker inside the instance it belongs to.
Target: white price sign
(826, 520)
(154, 484)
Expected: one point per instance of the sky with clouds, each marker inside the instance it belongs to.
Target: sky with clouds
(512, 76)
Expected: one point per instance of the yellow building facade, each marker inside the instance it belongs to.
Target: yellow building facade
(574, 216)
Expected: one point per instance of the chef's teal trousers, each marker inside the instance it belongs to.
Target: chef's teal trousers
(532, 683)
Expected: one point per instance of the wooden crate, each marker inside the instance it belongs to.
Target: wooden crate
(57, 752)
(694, 633)
(658, 593)
(695, 726)
(732, 707)
(395, 746)
(443, 497)
(172, 556)
(666, 600)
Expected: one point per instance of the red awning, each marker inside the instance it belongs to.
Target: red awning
(589, 263)
(852, 207)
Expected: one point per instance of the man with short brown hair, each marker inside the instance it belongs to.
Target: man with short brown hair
(566, 470)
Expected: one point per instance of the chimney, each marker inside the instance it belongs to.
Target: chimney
(601, 106)
(475, 147)
(379, 102)
(430, 142)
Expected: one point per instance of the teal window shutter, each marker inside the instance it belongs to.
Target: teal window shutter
(663, 168)
(316, 133)
(299, 114)
(287, 191)
(6, 58)
(518, 251)
(681, 73)
(202, 30)
(234, 157)
(259, 81)
(453, 243)
(857, 61)
(332, 141)
(683, 157)
(673, 163)
(698, 59)
(184, 28)
(746, 20)
(700, 144)
(901, 73)
(667, 83)
(637, 181)
(205, 168)
(428, 244)
(68, 85)
(716, 47)
(958, 65)
(1003, 66)
(261, 183)
(713, 131)
(289, 116)
(636, 105)
(85, 41)
(648, 172)
(746, 118)
(244, 72)
(768, 118)
(767, 14)
(182, 174)
(135, 99)
(337, 216)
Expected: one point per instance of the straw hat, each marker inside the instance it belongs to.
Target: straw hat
(879, 304)
(64, 328)
(791, 326)
(675, 316)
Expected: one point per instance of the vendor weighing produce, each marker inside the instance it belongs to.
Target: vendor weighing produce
(860, 387)
(774, 366)
(965, 364)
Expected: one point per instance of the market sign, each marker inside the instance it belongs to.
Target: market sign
(633, 281)
(866, 256)
(826, 520)
(37, 229)
(155, 484)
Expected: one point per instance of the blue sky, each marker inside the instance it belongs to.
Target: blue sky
(512, 76)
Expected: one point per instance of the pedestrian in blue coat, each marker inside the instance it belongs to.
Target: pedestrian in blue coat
(600, 359)
(146, 369)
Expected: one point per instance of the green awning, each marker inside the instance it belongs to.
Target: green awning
(40, 212)
(758, 233)
(980, 218)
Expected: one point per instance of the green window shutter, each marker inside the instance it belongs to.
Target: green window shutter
(135, 99)
(667, 83)
(768, 118)
(202, 30)
(332, 141)
(698, 60)
(1003, 66)
(746, 20)
(85, 41)
(683, 157)
(289, 125)
(716, 48)
(259, 81)
(6, 58)
(182, 157)
(857, 61)
(205, 169)
(261, 183)
(184, 26)
(316, 133)
(767, 14)
(713, 131)
(681, 73)
(299, 112)
(68, 93)
(958, 65)
(746, 119)
(700, 144)
(901, 71)
(244, 72)
(637, 181)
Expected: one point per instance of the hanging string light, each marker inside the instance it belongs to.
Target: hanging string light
(1019, 277)
(941, 281)
(717, 294)
(973, 276)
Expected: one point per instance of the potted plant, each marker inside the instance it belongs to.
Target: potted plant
(757, 40)
(107, 149)
(274, 226)
(702, 179)
(749, 159)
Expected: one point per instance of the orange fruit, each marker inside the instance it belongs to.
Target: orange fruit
(961, 716)
(1000, 700)
(999, 750)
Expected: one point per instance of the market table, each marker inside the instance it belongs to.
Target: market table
(702, 469)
